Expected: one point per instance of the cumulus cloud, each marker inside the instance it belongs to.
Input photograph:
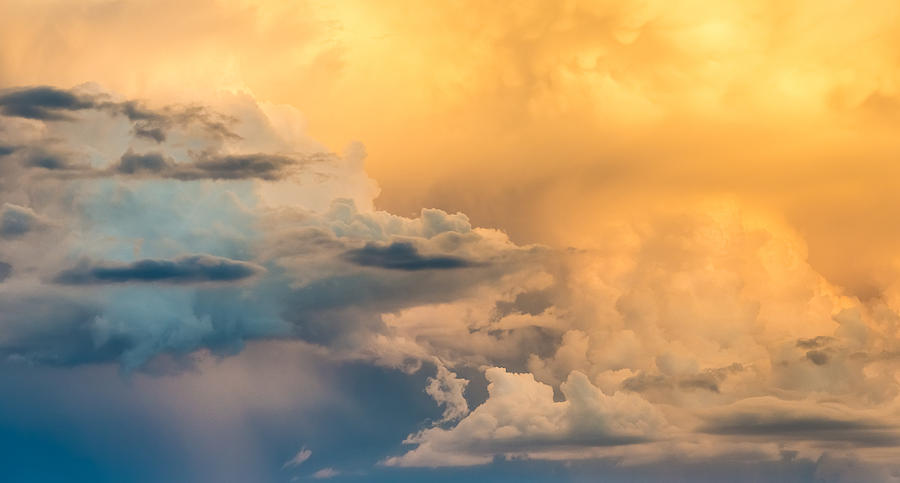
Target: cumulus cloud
(447, 390)
(521, 416)
(697, 331)
(267, 262)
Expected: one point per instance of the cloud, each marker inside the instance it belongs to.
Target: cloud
(188, 269)
(448, 390)
(126, 220)
(520, 415)
(640, 347)
(44, 103)
(243, 166)
(51, 161)
(402, 256)
(155, 125)
(5, 271)
(149, 163)
(16, 221)
(587, 137)
(325, 473)
(263, 166)
(769, 417)
(298, 459)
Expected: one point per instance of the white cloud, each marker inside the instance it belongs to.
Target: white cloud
(521, 416)
(447, 390)
(325, 473)
(298, 458)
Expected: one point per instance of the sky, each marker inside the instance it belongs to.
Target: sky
(629, 240)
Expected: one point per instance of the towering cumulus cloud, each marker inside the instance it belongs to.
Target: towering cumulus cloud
(152, 238)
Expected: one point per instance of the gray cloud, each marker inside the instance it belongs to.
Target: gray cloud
(259, 165)
(819, 358)
(402, 256)
(531, 303)
(814, 342)
(52, 104)
(269, 167)
(209, 166)
(149, 163)
(155, 125)
(43, 103)
(708, 380)
(16, 221)
(5, 271)
(798, 421)
(190, 269)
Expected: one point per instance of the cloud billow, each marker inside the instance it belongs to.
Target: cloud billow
(624, 352)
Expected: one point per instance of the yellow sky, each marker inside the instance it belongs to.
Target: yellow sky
(551, 120)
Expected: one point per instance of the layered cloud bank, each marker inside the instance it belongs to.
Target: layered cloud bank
(143, 235)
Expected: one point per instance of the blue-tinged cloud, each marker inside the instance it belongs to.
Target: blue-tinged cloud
(402, 256)
(189, 269)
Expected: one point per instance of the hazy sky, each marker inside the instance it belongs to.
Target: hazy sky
(549, 240)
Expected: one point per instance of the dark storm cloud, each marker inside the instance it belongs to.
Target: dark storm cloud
(707, 380)
(796, 426)
(262, 166)
(531, 303)
(46, 155)
(814, 342)
(701, 381)
(44, 103)
(402, 256)
(51, 104)
(643, 382)
(52, 328)
(819, 358)
(40, 158)
(226, 167)
(5, 271)
(149, 163)
(154, 125)
(191, 269)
